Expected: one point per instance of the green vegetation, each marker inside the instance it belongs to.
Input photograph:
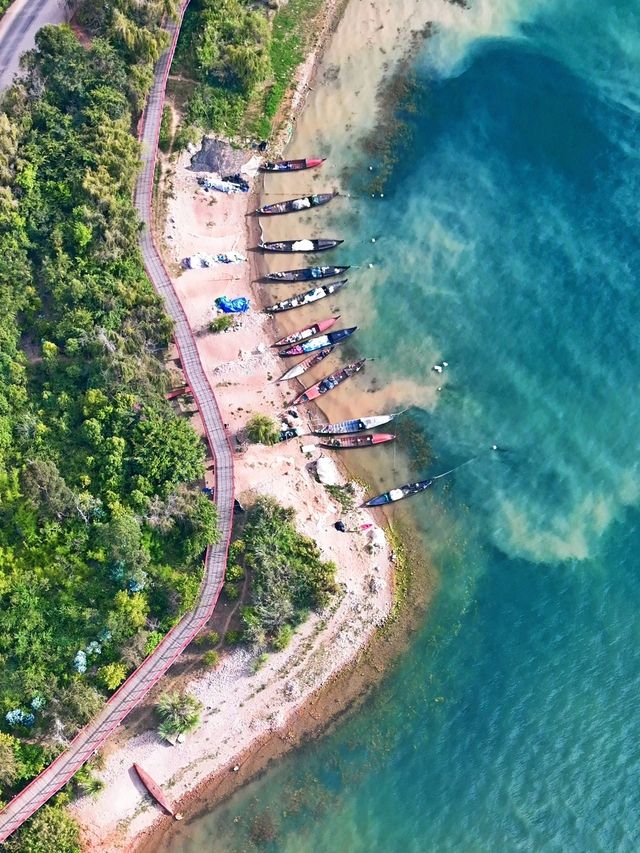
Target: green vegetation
(344, 495)
(179, 713)
(211, 659)
(221, 323)
(209, 638)
(165, 137)
(261, 429)
(4, 5)
(102, 522)
(288, 576)
(243, 61)
(49, 829)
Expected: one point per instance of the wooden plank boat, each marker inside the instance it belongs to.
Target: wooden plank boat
(320, 342)
(349, 442)
(305, 274)
(305, 365)
(156, 791)
(295, 205)
(329, 382)
(307, 332)
(400, 493)
(321, 244)
(354, 425)
(292, 165)
(307, 297)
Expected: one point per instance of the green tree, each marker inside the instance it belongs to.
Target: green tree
(51, 828)
(111, 675)
(261, 429)
(179, 713)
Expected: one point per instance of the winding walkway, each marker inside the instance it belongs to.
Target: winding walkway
(89, 739)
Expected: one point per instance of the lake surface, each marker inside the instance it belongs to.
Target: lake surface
(507, 243)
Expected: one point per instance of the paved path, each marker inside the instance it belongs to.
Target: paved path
(154, 667)
(18, 28)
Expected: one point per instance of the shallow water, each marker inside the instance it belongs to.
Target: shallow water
(506, 243)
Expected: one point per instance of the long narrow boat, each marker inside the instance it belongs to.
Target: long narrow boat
(292, 165)
(321, 342)
(307, 297)
(354, 425)
(307, 332)
(352, 441)
(321, 244)
(156, 791)
(329, 382)
(400, 493)
(305, 365)
(295, 205)
(305, 274)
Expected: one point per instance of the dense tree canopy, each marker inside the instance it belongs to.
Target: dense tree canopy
(102, 521)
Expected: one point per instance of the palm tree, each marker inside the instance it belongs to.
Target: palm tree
(179, 712)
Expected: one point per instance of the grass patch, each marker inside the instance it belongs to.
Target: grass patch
(222, 323)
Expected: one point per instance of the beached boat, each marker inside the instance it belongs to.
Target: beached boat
(354, 425)
(318, 245)
(349, 442)
(307, 297)
(400, 493)
(295, 205)
(307, 332)
(321, 342)
(305, 365)
(292, 165)
(329, 382)
(156, 791)
(305, 274)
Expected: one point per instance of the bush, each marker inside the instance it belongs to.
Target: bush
(234, 638)
(259, 662)
(179, 713)
(211, 658)
(282, 638)
(343, 495)
(222, 323)
(164, 138)
(51, 828)
(209, 638)
(232, 591)
(261, 429)
(111, 675)
(234, 573)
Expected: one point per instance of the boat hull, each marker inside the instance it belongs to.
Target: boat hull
(295, 205)
(303, 245)
(307, 332)
(292, 165)
(320, 342)
(307, 297)
(329, 383)
(353, 425)
(305, 365)
(154, 789)
(352, 442)
(399, 494)
(305, 274)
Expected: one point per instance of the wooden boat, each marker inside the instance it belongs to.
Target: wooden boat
(156, 791)
(307, 332)
(307, 297)
(400, 493)
(307, 364)
(318, 245)
(321, 342)
(292, 165)
(354, 425)
(329, 382)
(295, 205)
(305, 274)
(352, 441)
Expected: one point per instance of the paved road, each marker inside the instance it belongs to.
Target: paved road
(154, 667)
(18, 29)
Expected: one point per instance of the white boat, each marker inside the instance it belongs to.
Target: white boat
(354, 425)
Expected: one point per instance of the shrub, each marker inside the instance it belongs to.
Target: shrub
(209, 638)
(222, 323)
(179, 713)
(211, 658)
(261, 429)
(343, 495)
(259, 662)
(111, 675)
(282, 638)
(232, 591)
(234, 638)
(234, 573)
(164, 138)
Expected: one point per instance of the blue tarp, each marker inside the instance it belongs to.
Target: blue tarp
(232, 306)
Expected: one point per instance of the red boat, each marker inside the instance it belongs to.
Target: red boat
(329, 382)
(156, 791)
(307, 332)
(350, 441)
(292, 165)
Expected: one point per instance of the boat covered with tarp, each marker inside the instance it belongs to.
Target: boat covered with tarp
(307, 297)
(292, 165)
(320, 244)
(330, 382)
(353, 425)
(295, 205)
(305, 274)
(394, 495)
(307, 364)
(320, 342)
(307, 332)
(349, 442)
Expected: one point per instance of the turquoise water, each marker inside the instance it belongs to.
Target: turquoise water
(507, 243)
